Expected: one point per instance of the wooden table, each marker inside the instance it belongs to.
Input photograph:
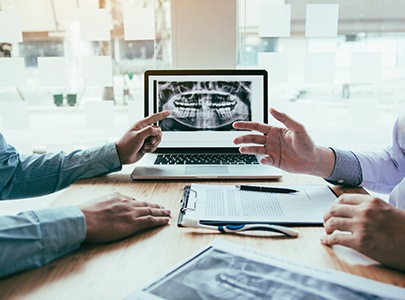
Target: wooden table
(112, 271)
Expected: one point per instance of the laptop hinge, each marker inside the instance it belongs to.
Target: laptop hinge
(197, 150)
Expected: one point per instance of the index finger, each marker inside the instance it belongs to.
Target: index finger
(351, 199)
(154, 118)
(343, 206)
(339, 211)
(263, 128)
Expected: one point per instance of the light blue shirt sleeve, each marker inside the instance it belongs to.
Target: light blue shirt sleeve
(34, 238)
(36, 175)
(379, 171)
(384, 170)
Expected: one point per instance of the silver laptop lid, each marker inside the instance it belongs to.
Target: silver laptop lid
(204, 104)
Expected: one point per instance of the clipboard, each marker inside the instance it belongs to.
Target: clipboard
(184, 204)
(307, 208)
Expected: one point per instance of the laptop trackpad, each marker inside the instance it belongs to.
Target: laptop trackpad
(207, 170)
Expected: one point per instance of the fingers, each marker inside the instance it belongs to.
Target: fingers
(149, 148)
(344, 206)
(151, 132)
(250, 139)
(351, 199)
(146, 204)
(268, 160)
(253, 150)
(339, 239)
(150, 222)
(289, 122)
(338, 223)
(264, 128)
(156, 138)
(150, 211)
(117, 216)
(152, 142)
(339, 210)
(145, 208)
(150, 207)
(148, 215)
(256, 150)
(153, 119)
(339, 218)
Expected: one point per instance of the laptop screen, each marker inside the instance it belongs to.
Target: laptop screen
(203, 104)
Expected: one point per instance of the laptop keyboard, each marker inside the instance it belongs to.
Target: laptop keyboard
(206, 159)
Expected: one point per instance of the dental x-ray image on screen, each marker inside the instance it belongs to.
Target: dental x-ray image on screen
(204, 105)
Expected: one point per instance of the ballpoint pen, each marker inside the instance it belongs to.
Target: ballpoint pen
(195, 223)
(266, 189)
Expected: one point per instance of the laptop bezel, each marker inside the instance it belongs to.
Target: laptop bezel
(204, 72)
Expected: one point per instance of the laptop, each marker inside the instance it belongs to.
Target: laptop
(197, 141)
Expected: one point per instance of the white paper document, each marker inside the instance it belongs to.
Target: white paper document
(225, 270)
(228, 204)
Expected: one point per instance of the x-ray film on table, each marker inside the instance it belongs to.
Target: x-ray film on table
(225, 270)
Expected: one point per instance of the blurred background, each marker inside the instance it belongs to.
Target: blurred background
(72, 70)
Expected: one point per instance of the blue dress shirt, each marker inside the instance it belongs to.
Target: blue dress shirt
(35, 238)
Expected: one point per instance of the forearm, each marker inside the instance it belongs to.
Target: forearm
(33, 239)
(37, 175)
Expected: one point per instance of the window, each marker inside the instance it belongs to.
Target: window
(346, 86)
(336, 66)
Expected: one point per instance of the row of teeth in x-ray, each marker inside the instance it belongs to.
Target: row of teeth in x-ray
(224, 113)
(203, 103)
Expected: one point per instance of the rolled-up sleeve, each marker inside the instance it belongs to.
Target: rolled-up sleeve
(35, 238)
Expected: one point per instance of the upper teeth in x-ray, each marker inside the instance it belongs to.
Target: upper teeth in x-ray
(207, 105)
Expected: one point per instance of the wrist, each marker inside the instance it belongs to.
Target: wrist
(121, 159)
(325, 162)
